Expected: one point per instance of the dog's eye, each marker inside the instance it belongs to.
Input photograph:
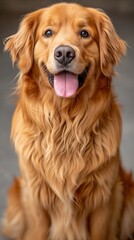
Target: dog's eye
(84, 34)
(48, 33)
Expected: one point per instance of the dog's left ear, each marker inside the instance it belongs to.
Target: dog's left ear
(21, 44)
(111, 47)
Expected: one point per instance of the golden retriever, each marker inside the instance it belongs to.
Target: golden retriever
(67, 130)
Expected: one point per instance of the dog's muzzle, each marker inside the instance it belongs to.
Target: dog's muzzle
(65, 83)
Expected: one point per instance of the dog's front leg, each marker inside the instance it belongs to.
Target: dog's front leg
(104, 220)
(99, 223)
(100, 226)
(37, 219)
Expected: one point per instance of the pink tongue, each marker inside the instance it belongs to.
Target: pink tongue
(65, 84)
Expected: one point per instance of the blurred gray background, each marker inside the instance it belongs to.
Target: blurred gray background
(11, 11)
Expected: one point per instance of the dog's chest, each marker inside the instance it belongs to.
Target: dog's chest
(65, 155)
(65, 159)
(66, 183)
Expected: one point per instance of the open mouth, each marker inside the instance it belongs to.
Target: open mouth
(66, 83)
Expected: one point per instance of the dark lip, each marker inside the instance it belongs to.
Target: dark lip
(81, 77)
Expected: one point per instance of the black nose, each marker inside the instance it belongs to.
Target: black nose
(64, 54)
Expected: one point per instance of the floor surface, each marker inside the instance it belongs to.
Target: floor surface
(124, 84)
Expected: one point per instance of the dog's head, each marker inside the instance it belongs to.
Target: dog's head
(68, 45)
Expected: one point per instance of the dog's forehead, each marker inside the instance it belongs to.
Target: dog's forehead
(67, 12)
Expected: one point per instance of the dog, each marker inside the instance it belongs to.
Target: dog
(66, 130)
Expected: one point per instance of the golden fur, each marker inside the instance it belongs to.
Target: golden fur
(71, 185)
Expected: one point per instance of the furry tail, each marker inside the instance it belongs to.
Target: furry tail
(127, 221)
(13, 223)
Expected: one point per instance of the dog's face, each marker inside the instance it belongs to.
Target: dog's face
(68, 45)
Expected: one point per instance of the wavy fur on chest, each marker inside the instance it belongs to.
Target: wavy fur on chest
(64, 141)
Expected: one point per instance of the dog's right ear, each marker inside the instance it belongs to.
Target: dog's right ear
(21, 44)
